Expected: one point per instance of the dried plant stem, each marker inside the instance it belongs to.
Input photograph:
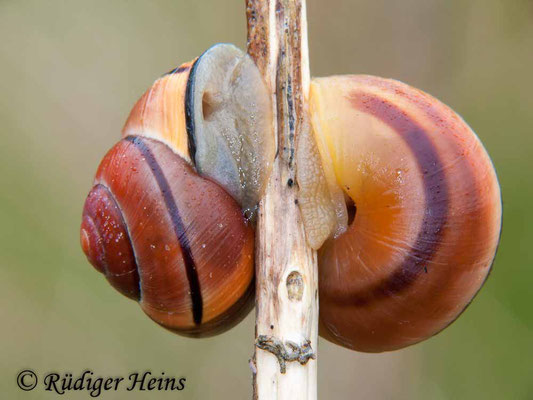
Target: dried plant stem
(284, 362)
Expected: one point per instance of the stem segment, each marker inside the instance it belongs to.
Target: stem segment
(286, 271)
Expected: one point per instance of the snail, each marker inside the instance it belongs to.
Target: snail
(168, 218)
(396, 193)
(420, 212)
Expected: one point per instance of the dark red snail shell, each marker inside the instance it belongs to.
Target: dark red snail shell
(164, 221)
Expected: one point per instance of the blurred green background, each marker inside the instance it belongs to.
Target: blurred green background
(71, 70)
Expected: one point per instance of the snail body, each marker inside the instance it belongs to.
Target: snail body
(426, 210)
(165, 219)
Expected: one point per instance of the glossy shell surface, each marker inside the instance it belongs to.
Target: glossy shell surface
(426, 213)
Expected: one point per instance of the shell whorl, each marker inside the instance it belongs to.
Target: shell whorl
(428, 213)
(106, 241)
(190, 242)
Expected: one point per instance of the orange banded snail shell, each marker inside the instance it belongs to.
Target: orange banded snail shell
(427, 211)
(396, 193)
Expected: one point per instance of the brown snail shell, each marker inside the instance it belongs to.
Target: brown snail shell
(164, 221)
(426, 210)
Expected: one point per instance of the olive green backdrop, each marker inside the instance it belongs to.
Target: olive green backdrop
(71, 70)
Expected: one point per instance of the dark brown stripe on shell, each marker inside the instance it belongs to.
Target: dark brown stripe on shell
(177, 223)
(436, 195)
(229, 318)
(178, 70)
(189, 111)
